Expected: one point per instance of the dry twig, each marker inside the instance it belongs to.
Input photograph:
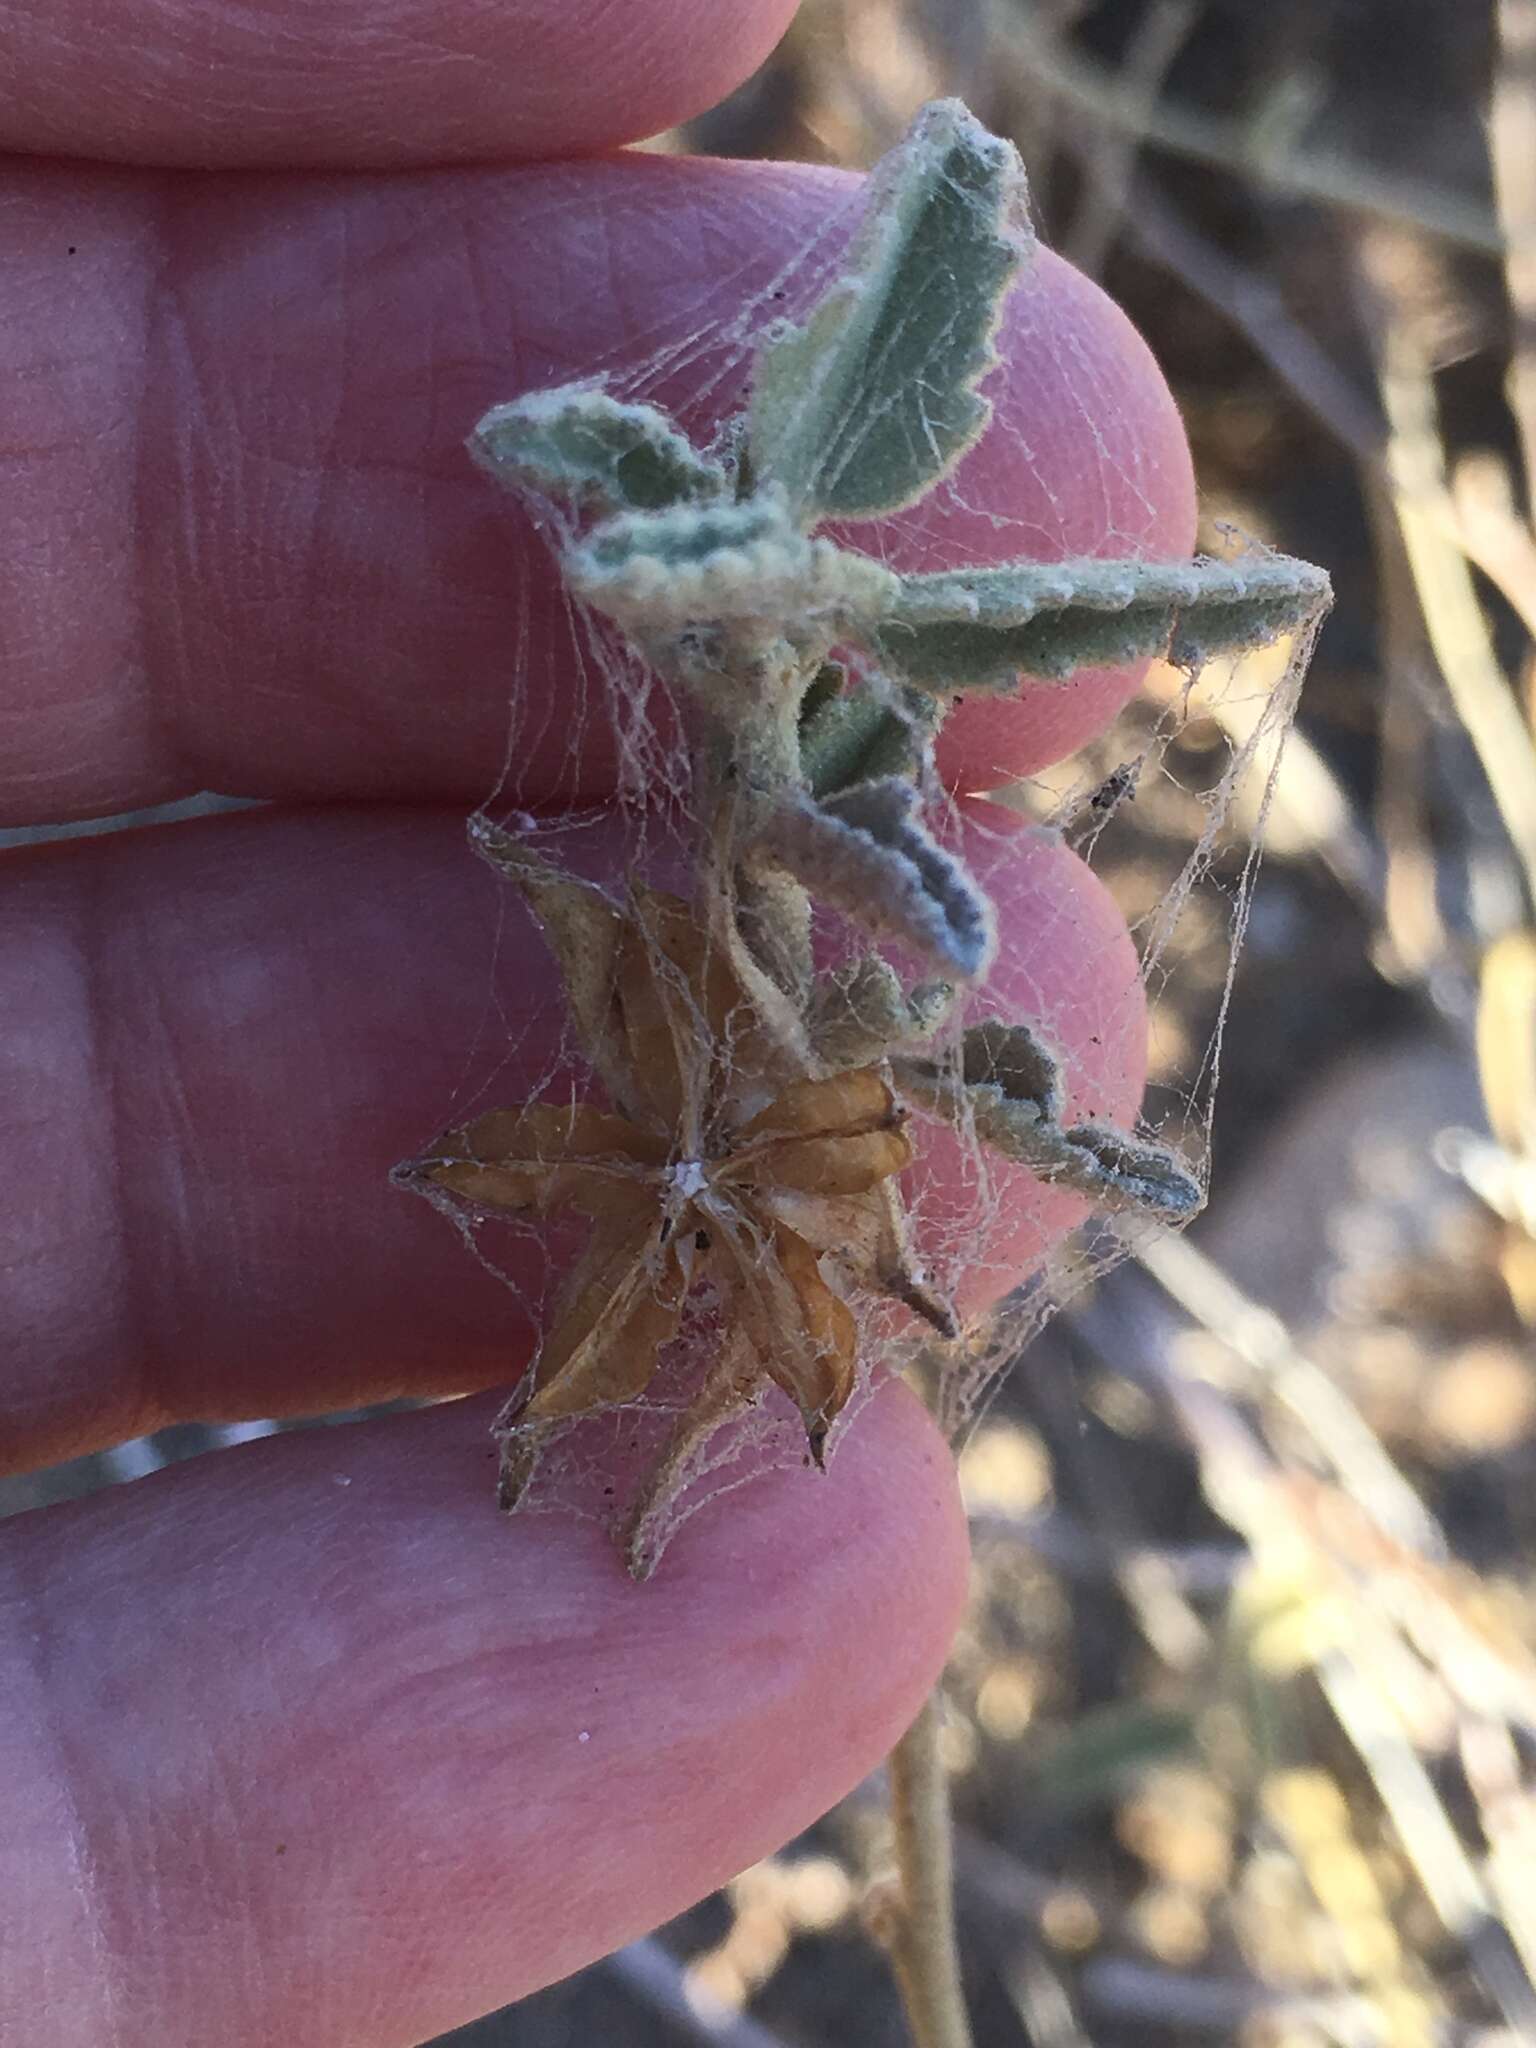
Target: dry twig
(1512, 138)
(1453, 617)
(917, 1926)
(1099, 95)
(1158, 38)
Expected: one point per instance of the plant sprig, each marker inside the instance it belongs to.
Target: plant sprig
(813, 679)
(746, 1169)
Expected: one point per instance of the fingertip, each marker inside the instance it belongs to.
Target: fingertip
(1086, 455)
(392, 600)
(418, 1759)
(364, 86)
(677, 75)
(1068, 968)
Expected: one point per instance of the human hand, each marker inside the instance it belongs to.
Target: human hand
(303, 1742)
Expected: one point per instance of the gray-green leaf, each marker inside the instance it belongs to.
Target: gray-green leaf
(849, 736)
(1008, 1091)
(579, 444)
(983, 628)
(868, 404)
(861, 1010)
(1015, 1059)
(718, 561)
(866, 851)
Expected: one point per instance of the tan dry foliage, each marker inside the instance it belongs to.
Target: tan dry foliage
(727, 1161)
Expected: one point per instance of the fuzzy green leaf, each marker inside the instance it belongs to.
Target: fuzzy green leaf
(868, 404)
(1127, 1172)
(983, 628)
(688, 536)
(851, 736)
(579, 444)
(719, 561)
(867, 852)
(1014, 1058)
(828, 684)
(1008, 1091)
(861, 1011)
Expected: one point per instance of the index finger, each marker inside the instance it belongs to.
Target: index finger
(363, 83)
(242, 548)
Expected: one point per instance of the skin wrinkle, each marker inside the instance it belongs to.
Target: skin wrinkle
(478, 324)
(323, 1594)
(47, 1769)
(247, 1250)
(143, 1870)
(209, 81)
(68, 1291)
(167, 1239)
(330, 487)
(78, 314)
(248, 1906)
(450, 442)
(157, 725)
(229, 536)
(185, 418)
(128, 1314)
(574, 246)
(166, 1817)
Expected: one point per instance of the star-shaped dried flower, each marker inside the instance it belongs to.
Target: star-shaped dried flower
(728, 1161)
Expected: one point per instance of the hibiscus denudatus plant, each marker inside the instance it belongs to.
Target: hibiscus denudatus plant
(744, 1161)
(754, 1101)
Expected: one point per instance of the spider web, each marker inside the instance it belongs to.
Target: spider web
(1148, 828)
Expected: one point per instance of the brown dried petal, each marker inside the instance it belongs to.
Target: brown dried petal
(536, 1190)
(583, 929)
(866, 1236)
(861, 1100)
(836, 1165)
(677, 995)
(768, 1040)
(727, 1388)
(852, 1227)
(804, 1336)
(622, 1305)
(817, 1371)
(554, 1131)
(548, 1155)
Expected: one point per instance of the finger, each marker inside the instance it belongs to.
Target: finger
(418, 1759)
(364, 82)
(224, 1034)
(243, 548)
(1090, 459)
(1067, 966)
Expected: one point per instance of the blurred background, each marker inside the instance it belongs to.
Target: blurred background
(1242, 1724)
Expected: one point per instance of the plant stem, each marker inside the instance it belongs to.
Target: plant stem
(747, 757)
(920, 1931)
